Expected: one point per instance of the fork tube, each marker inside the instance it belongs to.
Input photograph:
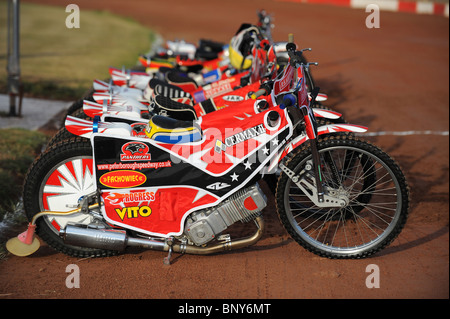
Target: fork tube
(317, 170)
(314, 152)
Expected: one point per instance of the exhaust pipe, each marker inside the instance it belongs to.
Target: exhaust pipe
(223, 246)
(118, 240)
(108, 239)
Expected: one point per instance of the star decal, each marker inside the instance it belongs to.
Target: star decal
(234, 177)
(248, 165)
(275, 142)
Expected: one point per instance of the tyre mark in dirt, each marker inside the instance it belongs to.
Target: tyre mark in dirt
(263, 291)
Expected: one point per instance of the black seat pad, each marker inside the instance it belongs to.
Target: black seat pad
(166, 106)
(175, 76)
(161, 87)
(169, 123)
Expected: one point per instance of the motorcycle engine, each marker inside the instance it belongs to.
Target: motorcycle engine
(204, 225)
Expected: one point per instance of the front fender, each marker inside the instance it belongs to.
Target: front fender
(85, 128)
(321, 130)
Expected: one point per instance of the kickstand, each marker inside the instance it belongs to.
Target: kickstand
(166, 260)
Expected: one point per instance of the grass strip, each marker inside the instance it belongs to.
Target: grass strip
(57, 62)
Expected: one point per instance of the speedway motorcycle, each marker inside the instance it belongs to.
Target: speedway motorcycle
(199, 86)
(122, 108)
(140, 87)
(246, 101)
(217, 91)
(208, 54)
(176, 100)
(179, 187)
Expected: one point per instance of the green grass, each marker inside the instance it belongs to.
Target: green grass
(18, 149)
(58, 62)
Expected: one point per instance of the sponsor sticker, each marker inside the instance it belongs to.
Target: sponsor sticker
(233, 98)
(239, 138)
(218, 90)
(135, 151)
(133, 212)
(283, 84)
(134, 166)
(117, 198)
(122, 179)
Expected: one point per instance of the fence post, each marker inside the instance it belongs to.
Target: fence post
(13, 68)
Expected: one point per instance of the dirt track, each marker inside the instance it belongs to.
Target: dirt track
(391, 79)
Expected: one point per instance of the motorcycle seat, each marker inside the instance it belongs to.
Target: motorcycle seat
(172, 131)
(160, 87)
(164, 105)
(206, 45)
(181, 80)
(205, 54)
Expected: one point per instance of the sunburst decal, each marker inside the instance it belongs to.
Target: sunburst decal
(65, 186)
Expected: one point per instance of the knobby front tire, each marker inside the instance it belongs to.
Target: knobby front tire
(377, 199)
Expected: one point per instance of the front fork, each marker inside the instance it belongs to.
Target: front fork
(315, 192)
(311, 131)
(317, 170)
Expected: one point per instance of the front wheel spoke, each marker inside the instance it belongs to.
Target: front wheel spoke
(328, 217)
(369, 225)
(378, 215)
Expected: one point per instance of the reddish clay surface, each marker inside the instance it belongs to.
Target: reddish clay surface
(391, 79)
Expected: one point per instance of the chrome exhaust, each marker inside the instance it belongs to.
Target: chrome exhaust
(108, 239)
(223, 246)
(118, 240)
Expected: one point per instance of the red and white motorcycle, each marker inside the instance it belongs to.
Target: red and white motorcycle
(177, 186)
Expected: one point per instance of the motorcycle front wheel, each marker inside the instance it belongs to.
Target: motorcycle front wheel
(375, 192)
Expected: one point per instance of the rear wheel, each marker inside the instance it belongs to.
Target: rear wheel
(372, 186)
(55, 182)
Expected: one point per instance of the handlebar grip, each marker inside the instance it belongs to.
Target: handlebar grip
(294, 56)
(291, 47)
(288, 100)
(258, 93)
